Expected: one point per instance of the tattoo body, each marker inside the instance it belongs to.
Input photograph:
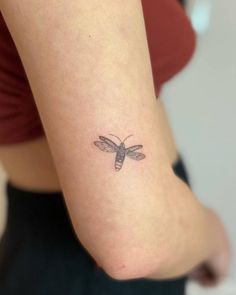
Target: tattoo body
(107, 145)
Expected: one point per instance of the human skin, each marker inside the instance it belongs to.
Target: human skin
(138, 222)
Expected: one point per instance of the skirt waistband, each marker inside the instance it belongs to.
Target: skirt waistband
(39, 211)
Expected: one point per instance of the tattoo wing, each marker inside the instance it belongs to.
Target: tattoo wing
(135, 155)
(106, 145)
(133, 148)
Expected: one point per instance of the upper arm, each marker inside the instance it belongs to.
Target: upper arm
(89, 68)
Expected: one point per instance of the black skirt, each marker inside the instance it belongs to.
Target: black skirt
(40, 255)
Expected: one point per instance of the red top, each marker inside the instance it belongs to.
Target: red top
(171, 43)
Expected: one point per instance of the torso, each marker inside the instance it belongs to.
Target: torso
(30, 165)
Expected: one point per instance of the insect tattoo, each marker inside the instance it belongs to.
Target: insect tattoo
(108, 146)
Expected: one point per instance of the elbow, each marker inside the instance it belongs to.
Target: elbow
(130, 265)
(123, 271)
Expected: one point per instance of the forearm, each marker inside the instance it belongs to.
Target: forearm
(90, 73)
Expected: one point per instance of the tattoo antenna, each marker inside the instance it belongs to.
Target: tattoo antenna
(120, 139)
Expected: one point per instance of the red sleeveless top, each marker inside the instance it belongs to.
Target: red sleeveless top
(171, 42)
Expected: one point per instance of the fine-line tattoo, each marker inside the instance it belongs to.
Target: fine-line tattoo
(107, 145)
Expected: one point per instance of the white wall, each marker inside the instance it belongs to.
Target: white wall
(201, 103)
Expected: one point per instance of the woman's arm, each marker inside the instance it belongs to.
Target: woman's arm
(89, 69)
